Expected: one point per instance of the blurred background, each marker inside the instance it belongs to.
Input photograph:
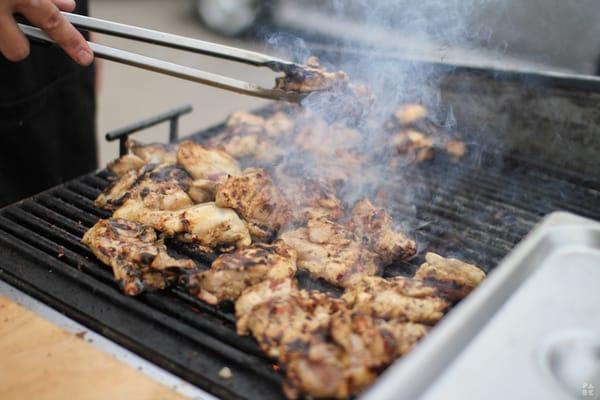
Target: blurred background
(541, 35)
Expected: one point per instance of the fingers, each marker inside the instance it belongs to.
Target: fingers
(65, 5)
(46, 15)
(13, 43)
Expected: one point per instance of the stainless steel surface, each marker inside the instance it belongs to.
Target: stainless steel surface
(100, 342)
(529, 331)
(176, 70)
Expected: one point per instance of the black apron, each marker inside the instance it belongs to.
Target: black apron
(47, 121)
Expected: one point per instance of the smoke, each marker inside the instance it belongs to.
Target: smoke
(367, 164)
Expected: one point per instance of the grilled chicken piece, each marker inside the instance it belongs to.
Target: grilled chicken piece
(310, 198)
(258, 294)
(311, 77)
(456, 278)
(251, 135)
(397, 298)
(289, 318)
(203, 163)
(117, 192)
(206, 225)
(328, 350)
(142, 154)
(373, 226)
(139, 259)
(330, 252)
(361, 347)
(257, 200)
(160, 187)
(410, 114)
(414, 144)
(231, 273)
(420, 138)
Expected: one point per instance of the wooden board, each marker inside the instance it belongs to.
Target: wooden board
(40, 361)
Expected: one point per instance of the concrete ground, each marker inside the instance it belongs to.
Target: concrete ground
(127, 94)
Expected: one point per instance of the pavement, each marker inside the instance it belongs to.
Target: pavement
(128, 94)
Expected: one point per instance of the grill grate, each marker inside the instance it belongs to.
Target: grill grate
(472, 212)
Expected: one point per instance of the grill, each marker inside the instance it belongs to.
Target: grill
(477, 211)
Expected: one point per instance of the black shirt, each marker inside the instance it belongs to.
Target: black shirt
(47, 121)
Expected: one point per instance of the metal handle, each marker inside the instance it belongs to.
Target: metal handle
(176, 41)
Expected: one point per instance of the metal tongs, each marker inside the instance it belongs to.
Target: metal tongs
(181, 43)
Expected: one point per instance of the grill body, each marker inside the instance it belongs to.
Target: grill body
(476, 212)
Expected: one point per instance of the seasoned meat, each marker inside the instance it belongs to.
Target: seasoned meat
(138, 257)
(419, 138)
(455, 277)
(373, 226)
(311, 77)
(456, 150)
(258, 294)
(360, 348)
(397, 298)
(206, 225)
(159, 187)
(142, 154)
(330, 252)
(117, 192)
(414, 144)
(125, 163)
(328, 350)
(204, 163)
(256, 137)
(410, 114)
(257, 200)
(310, 198)
(231, 273)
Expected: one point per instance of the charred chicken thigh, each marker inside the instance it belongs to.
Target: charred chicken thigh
(206, 225)
(454, 277)
(330, 252)
(374, 227)
(257, 200)
(157, 186)
(397, 298)
(138, 258)
(204, 163)
(231, 273)
(142, 154)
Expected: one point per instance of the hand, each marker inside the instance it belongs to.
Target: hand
(46, 15)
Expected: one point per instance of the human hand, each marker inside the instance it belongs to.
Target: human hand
(46, 15)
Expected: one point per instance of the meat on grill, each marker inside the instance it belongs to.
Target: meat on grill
(311, 77)
(138, 257)
(362, 346)
(257, 294)
(419, 138)
(204, 163)
(231, 273)
(257, 200)
(310, 198)
(397, 298)
(254, 136)
(373, 226)
(206, 225)
(142, 154)
(328, 350)
(156, 186)
(453, 277)
(330, 252)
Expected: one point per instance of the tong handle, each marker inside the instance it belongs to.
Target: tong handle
(177, 42)
(176, 70)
